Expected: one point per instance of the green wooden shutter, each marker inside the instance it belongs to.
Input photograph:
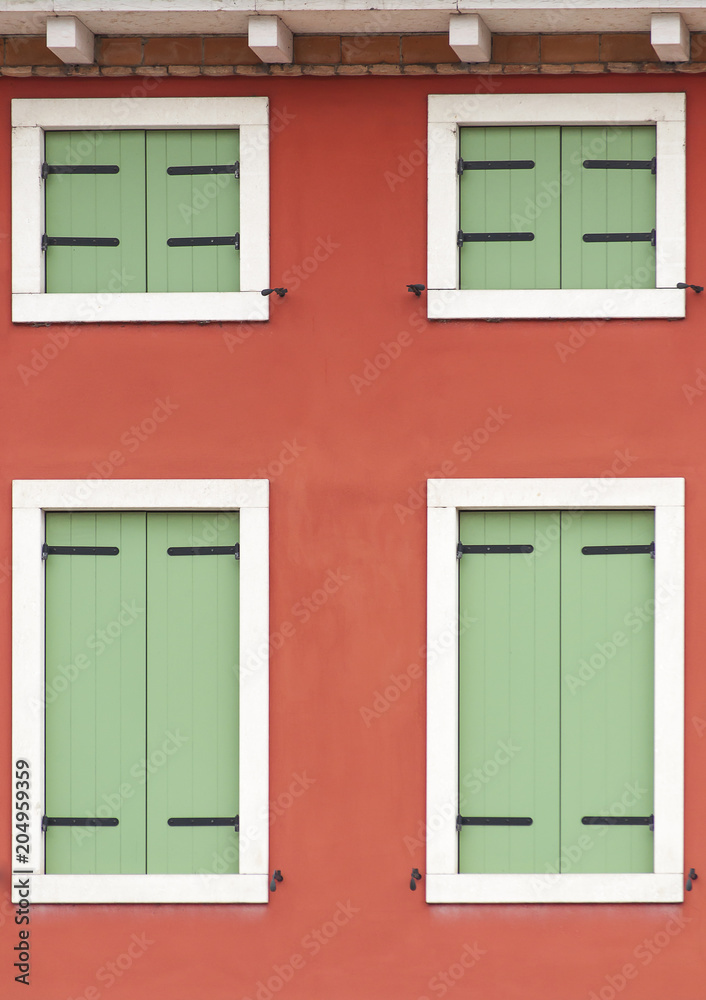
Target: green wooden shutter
(192, 693)
(509, 692)
(186, 206)
(607, 691)
(511, 201)
(607, 200)
(96, 205)
(95, 693)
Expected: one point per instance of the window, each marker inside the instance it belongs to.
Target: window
(150, 209)
(555, 691)
(542, 206)
(140, 689)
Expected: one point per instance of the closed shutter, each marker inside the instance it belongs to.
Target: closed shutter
(88, 204)
(192, 693)
(607, 691)
(95, 693)
(509, 692)
(609, 196)
(510, 207)
(185, 207)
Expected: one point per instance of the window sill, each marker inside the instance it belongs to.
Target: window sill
(141, 307)
(548, 888)
(580, 303)
(146, 888)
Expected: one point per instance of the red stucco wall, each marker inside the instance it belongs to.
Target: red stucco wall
(348, 505)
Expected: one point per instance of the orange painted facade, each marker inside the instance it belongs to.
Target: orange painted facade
(348, 399)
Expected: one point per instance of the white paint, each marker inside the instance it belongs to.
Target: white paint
(448, 113)
(445, 498)
(470, 38)
(270, 39)
(70, 40)
(31, 118)
(31, 499)
(669, 37)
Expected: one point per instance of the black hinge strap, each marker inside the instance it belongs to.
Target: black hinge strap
(219, 168)
(494, 165)
(491, 549)
(77, 821)
(206, 241)
(492, 821)
(88, 168)
(494, 238)
(79, 550)
(650, 165)
(233, 821)
(650, 237)
(79, 241)
(619, 550)
(206, 550)
(619, 821)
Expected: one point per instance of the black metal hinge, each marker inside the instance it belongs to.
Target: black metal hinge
(650, 238)
(494, 165)
(88, 168)
(492, 821)
(619, 821)
(233, 821)
(79, 241)
(206, 550)
(206, 241)
(650, 165)
(494, 238)
(220, 168)
(619, 550)
(480, 550)
(79, 550)
(77, 821)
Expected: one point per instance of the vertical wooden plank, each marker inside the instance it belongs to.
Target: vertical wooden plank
(607, 691)
(96, 205)
(514, 201)
(607, 201)
(95, 693)
(185, 206)
(192, 746)
(508, 692)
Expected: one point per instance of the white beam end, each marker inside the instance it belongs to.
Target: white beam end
(270, 39)
(669, 37)
(470, 37)
(70, 40)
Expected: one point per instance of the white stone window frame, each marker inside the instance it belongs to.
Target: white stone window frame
(32, 118)
(445, 498)
(449, 113)
(31, 500)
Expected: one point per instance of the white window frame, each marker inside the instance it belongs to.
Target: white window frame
(31, 118)
(445, 499)
(31, 500)
(448, 113)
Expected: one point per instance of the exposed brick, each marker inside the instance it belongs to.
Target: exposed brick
(622, 67)
(85, 71)
(229, 51)
(173, 51)
(448, 69)
(625, 47)
(148, 70)
(484, 69)
(570, 48)
(319, 70)
(659, 68)
(2, 51)
(285, 69)
(589, 68)
(259, 70)
(427, 49)
(515, 49)
(414, 70)
(51, 71)
(184, 70)
(119, 51)
(556, 68)
(117, 70)
(690, 68)
(218, 71)
(367, 49)
(16, 70)
(385, 69)
(698, 46)
(319, 50)
(29, 50)
(522, 68)
(352, 70)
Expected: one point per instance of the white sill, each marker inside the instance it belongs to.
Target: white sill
(561, 303)
(145, 888)
(140, 307)
(539, 888)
